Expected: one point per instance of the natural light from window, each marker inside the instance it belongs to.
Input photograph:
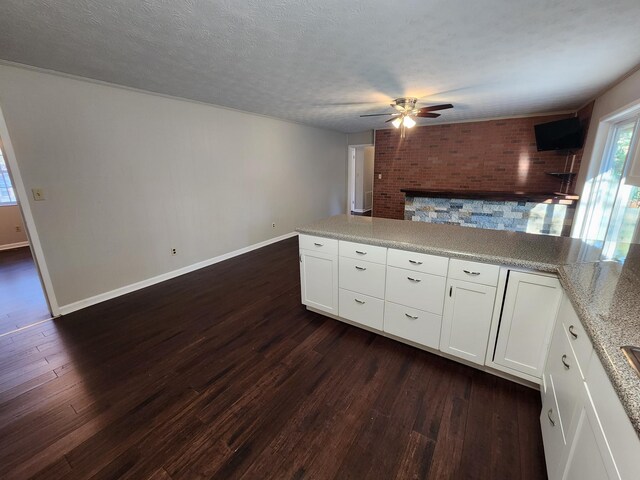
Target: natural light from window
(7, 194)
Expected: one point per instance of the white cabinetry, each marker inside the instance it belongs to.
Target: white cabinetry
(319, 273)
(528, 315)
(467, 319)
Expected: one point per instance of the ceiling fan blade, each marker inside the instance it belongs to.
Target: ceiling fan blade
(427, 115)
(433, 108)
(378, 114)
(391, 119)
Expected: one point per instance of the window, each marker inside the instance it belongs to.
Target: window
(7, 194)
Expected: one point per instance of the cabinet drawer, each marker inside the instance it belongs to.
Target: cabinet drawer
(362, 251)
(415, 289)
(420, 262)
(362, 309)
(362, 277)
(552, 433)
(475, 272)
(417, 326)
(578, 339)
(320, 244)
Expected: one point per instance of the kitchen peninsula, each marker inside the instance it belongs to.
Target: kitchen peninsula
(531, 308)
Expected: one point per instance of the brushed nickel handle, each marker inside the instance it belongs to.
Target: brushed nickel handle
(360, 268)
(416, 280)
(553, 424)
(469, 272)
(415, 262)
(411, 316)
(564, 362)
(318, 244)
(573, 334)
(360, 252)
(361, 302)
(450, 290)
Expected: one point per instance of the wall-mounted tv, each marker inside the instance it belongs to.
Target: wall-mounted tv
(559, 135)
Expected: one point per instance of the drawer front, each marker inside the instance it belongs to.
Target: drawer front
(361, 309)
(415, 289)
(362, 277)
(420, 262)
(552, 434)
(319, 244)
(411, 324)
(578, 339)
(475, 272)
(362, 251)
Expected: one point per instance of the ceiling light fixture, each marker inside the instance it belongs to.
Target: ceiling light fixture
(409, 122)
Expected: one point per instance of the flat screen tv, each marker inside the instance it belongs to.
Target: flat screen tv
(559, 135)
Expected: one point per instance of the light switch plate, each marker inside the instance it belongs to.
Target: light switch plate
(38, 194)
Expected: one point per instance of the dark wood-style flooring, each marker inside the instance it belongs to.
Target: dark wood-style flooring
(22, 302)
(221, 373)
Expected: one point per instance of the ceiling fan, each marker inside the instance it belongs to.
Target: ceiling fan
(406, 111)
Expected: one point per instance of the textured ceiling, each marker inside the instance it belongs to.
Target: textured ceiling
(320, 62)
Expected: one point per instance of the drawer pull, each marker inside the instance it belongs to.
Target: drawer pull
(411, 316)
(415, 262)
(359, 252)
(361, 302)
(473, 274)
(573, 334)
(360, 268)
(318, 244)
(553, 424)
(416, 280)
(564, 362)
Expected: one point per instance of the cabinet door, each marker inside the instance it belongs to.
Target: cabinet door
(528, 316)
(319, 280)
(589, 454)
(467, 320)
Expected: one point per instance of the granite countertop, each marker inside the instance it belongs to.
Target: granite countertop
(604, 294)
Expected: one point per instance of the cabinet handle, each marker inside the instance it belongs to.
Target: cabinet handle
(564, 362)
(411, 316)
(573, 334)
(360, 268)
(553, 424)
(473, 274)
(415, 262)
(360, 253)
(318, 244)
(361, 302)
(417, 280)
(450, 290)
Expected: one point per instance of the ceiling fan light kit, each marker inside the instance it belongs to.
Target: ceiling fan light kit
(407, 111)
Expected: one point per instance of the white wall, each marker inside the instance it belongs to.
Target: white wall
(367, 176)
(10, 218)
(129, 175)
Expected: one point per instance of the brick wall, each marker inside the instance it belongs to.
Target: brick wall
(495, 155)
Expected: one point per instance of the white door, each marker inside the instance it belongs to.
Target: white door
(530, 308)
(467, 319)
(319, 280)
(589, 454)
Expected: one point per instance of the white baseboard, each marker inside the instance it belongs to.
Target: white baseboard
(11, 246)
(360, 210)
(102, 297)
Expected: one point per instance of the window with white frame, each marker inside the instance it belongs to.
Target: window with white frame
(7, 194)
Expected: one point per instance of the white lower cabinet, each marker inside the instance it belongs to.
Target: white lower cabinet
(362, 309)
(528, 316)
(415, 289)
(466, 321)
(319, 280)
(418, 326)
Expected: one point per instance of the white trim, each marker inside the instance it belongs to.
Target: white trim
(102, 297)
(27, 216)
(360, 210)
(11, 246)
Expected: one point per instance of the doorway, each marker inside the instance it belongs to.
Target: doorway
(361, 166)
(22, 299)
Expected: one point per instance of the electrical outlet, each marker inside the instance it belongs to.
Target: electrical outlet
(273, 225)
(174, 251)
(38, 194)
(18, 228)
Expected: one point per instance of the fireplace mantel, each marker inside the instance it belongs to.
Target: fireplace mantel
(538, 197)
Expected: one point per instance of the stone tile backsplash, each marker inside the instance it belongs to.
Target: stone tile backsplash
(531, 217)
